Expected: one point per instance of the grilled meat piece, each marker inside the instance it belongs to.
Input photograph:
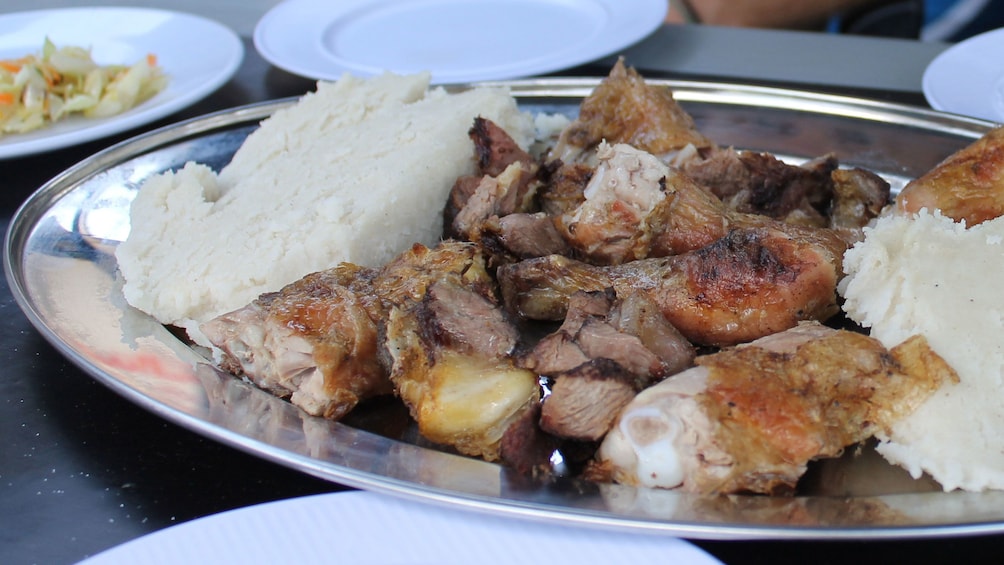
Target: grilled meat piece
(749, 284)
(965, 187)
(611, 225)
(749, 419)
(495, 149)
(522, 236)
(623, 108)
(495, 152)
(525, 447)
(314, 342)
(449, 345)
(759, 183)
(859, 196)
(564, 187)
(585, 401)
(426, 326)
(634, 207)
(630, 331)
(494, 196)
(605, 351)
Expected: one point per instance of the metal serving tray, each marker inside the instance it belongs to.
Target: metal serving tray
(60, 264)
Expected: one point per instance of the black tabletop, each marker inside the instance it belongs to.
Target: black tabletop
(83, 470)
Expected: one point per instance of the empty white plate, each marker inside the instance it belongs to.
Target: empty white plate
(456, 40)
(364, 528)
(968, 78)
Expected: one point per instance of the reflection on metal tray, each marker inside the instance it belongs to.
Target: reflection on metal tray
(60, 265)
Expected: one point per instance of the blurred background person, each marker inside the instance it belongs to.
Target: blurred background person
(928, 20)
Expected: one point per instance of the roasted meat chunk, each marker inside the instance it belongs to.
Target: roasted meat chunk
(504, 183)
(628, 330)
(314, 342)
(749, 419)
(605, 351)
(426, 326)
(967, 186)
(634, 207)
(522, 236)
(759, 183)
(749, 284)
(449, 347)
(859, 196)
(625, 109)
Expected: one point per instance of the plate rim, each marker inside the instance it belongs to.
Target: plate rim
(934, 85)
(361, 518)
(86, 130)
(269, 28)
(23, 223)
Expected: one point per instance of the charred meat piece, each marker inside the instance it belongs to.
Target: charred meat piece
(522, 236)
(623, 108)
(759, 183)
(495, 152)
(634, 207)
(585, 401)
(525, 447)
(630, 331)
(314, 342)
(859, 196)
(564, 187)
(749, 419)
(449, 346)
(495, 149)
(749, 284)
(967, 186)
(494, 197)
(605, 351)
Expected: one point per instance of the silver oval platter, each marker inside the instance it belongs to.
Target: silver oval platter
(60, 264)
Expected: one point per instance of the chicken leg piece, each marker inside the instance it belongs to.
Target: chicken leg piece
(967, 186)
(750, 419)
(751, 283)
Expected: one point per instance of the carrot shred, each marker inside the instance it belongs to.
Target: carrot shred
(10, 66)
(151, 59)
(6, 98)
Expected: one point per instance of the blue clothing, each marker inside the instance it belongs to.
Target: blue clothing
(929, 20)
(955, 20)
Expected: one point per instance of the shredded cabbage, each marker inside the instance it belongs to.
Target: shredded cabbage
(40, 89)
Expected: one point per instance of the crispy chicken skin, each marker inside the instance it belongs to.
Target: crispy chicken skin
(426, 326)
(625, 109)
(314, 342)
(449, 347)
(749, 419)
(967, 186)
(749, 284)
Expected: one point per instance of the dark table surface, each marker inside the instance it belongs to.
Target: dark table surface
(83, 469)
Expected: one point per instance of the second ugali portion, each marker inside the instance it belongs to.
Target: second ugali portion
(356, 171)
(925, 274)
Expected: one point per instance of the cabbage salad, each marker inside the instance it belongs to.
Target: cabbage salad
(37, 90)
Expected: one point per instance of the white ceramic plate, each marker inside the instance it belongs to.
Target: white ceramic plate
(364, 527)
(456, 40)
(198, 55)
(968, 78)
